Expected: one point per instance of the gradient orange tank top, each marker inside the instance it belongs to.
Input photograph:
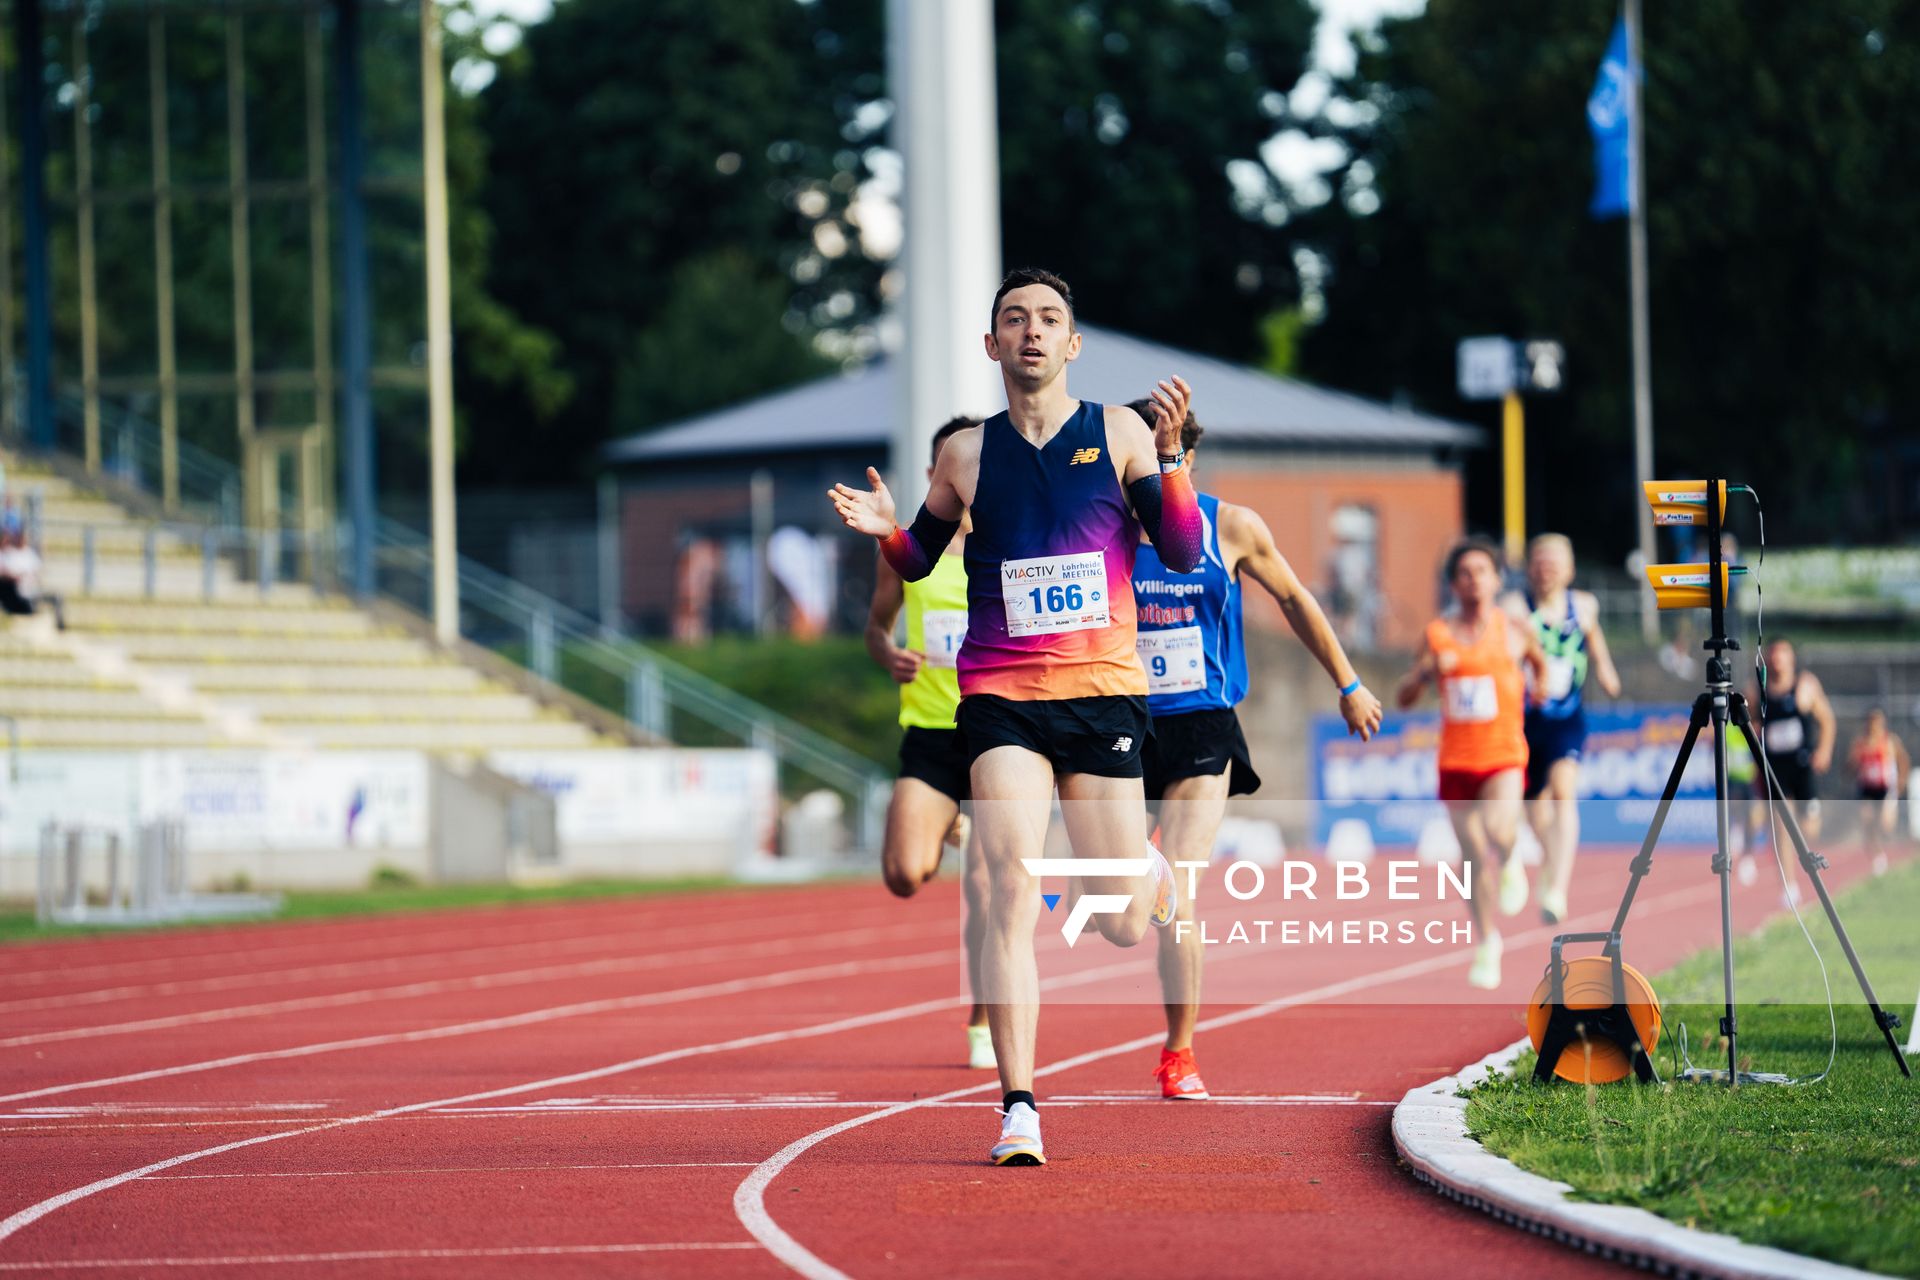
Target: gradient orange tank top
(1482, 699)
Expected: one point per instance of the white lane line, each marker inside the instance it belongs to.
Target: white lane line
(760, 927)
(1230, 1100)
(388, 934)
(782, 978)
(476, 982)
(749, 1198)
(1151, 1100)
(374, 1255)
(478, 1168)
(34, 1212)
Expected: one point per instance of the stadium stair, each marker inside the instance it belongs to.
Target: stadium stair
(238, 667)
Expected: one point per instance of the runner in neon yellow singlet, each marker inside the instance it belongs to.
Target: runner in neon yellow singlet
(924, 815)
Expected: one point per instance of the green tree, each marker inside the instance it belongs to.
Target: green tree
(1130, 137)
(1785, 279)
(631, 143)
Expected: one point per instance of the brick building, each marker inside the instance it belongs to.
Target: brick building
(1362, 497)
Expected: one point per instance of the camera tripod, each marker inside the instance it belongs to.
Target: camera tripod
(1717, 705)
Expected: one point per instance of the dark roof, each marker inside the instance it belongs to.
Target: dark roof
(1240, 407)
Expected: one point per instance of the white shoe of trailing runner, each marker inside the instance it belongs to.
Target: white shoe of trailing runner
(1019, 1137)
(980, 1049)
(1513, 886)
(1485, 973)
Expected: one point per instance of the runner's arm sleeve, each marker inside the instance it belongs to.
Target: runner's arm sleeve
(1169, 511)
(913, 552)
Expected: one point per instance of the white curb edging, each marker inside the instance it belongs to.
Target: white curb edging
(1430, 1132)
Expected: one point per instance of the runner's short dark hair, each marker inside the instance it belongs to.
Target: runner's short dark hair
(1466, 547)
(959, 422)
(1190, 430)
(1020, 278)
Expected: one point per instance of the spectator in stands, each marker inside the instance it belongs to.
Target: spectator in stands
(20, 591)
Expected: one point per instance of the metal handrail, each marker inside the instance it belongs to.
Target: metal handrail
(584, 639)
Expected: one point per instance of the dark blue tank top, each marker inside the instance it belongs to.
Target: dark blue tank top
(1050, 610)
(1190, 639)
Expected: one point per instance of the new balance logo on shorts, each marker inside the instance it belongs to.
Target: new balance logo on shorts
(1123, 743)
(1083, 455)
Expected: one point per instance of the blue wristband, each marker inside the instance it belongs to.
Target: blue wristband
(1349, 689)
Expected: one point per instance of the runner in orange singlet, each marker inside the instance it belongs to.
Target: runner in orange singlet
(1473, 656)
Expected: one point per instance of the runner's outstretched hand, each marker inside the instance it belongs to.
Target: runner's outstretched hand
(869, 513)
(1170, 399)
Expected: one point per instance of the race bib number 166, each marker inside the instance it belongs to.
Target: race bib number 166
(1054, 593)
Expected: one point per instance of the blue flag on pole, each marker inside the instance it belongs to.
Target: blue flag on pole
(1609, 109)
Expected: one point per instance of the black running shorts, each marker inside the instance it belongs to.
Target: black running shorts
(1199, 744)
(1795, 775)
(1102, 736)
(937, 758)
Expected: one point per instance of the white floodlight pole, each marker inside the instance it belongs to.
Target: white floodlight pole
(940, 71)
(433, 159)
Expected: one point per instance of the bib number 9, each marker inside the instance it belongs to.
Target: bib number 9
(1175, 659)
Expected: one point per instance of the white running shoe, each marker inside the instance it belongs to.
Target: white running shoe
(1166, 894)
(1513, 886)
(1019, 1137)
(1485, 973)
(980, 1049)
(1748, 872)
(1553, 906)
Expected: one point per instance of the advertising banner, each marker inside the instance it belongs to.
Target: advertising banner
(1392, 782)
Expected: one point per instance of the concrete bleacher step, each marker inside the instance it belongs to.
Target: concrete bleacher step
(174, 579)
(65, 541)
(218, 678)
(76, 507)
(235, 618)
(124, 704)
(457, 705)
(423, 736)
(82, 733)
(24, 482)
(175, 649)
(52, 671)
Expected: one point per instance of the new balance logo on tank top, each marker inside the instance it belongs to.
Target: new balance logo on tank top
(1190, 641)
(1050, 610)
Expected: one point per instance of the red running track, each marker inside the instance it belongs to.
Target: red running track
(746, 1083)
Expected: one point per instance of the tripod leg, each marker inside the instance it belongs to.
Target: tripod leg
(1643, 861)
(1811, 863)
(1722, 866)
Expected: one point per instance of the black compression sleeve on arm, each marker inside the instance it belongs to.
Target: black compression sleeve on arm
(913, 552)
(1170, 514)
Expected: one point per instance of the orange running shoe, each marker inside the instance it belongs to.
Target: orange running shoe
(1179, 1077)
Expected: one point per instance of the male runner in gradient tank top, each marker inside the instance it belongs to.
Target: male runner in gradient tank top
(1051, 689)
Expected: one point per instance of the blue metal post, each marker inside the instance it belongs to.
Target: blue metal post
(30, 39)
(356, 330)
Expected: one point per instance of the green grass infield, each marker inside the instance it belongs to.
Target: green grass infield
(1830, 1170)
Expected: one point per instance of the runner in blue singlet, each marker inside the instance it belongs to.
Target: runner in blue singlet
(1190, 642)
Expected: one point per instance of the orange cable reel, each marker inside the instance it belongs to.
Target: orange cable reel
(1587, 983)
